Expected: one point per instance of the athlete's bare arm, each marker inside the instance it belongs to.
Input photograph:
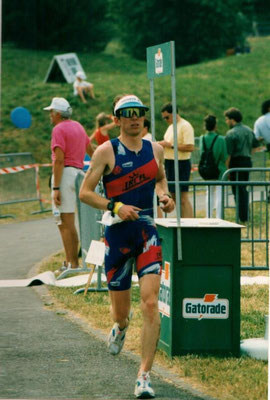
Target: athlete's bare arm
(161, 180)
(102, 161)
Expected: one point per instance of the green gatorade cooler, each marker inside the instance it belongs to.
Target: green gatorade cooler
(199, 300)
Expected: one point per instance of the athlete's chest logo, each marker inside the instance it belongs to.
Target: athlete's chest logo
(131, 180)
(135, 179)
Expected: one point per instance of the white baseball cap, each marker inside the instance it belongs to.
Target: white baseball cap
(129, 101)
(80, 74)
(59, 104)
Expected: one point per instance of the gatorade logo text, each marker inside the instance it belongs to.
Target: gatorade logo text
(164, 300)
(209, 307)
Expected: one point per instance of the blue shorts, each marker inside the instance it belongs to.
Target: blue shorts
(184, 169)
(127, 242)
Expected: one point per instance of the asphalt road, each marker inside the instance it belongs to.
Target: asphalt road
(44, 354)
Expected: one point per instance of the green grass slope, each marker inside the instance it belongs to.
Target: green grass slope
(210, 87)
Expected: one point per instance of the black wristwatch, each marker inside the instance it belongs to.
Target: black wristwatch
(110, 206)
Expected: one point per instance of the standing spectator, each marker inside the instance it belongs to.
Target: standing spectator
(240, 141)
(82, 87)
(220, 157)
(68, 145)
(262, 125)
(104, 123)
(131, 169)
(185, 146)
(146, 130)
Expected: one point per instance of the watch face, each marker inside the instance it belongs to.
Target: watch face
(110, 205)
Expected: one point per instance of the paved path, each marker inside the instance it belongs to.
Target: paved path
(43, 354)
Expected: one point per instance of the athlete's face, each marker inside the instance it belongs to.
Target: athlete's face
(131, 126)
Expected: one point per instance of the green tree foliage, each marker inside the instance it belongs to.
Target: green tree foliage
(201, 29)
(262, 6)
(56, 25)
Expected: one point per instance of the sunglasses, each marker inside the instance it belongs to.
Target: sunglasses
(166, 118)
(129, 112)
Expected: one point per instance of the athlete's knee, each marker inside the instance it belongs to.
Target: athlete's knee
(150, 307)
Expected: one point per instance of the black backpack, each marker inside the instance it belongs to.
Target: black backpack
(208, 168)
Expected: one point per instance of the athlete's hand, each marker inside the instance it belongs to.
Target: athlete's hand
(166, 203)
(128, 213)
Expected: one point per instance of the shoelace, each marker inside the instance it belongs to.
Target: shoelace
(145, 377)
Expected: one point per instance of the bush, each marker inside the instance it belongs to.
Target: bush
(56, 25)
(201, 29)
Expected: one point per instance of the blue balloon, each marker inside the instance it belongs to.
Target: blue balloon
(21, 117)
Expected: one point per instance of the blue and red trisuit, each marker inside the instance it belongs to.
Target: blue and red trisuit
(132, 182)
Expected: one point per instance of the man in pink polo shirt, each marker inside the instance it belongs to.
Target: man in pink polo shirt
(69, 144)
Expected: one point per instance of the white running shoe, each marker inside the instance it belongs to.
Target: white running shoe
(63, 267)
(117, 337)
(143, 389)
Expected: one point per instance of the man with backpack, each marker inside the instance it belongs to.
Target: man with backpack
(212, 163)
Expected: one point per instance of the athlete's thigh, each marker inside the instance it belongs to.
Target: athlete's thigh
(120, 302)
(148, 251)
(118, 257)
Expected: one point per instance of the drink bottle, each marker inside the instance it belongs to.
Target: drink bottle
(57, 216)
(159, 62)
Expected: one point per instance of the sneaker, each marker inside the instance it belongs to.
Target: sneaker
(63, 268)
(143, 389)
(117, 337)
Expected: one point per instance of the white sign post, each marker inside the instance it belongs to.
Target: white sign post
(161, 62)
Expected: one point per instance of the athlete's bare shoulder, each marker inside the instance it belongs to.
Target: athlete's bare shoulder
(158, 151)
(104, 155)
(104, 151)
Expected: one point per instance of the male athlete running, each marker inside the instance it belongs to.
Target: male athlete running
(131, 168)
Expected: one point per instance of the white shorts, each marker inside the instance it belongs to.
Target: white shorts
(83, 85)
(67, 190)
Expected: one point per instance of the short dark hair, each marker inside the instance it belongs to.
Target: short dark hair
(233, 113)
(168, 107)
(210, 122)
(265, 106)
(146, 124)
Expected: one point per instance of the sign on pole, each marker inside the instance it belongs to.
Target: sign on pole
(161, 62)
(63, 68)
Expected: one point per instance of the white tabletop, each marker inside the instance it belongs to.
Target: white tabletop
(196, 223)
